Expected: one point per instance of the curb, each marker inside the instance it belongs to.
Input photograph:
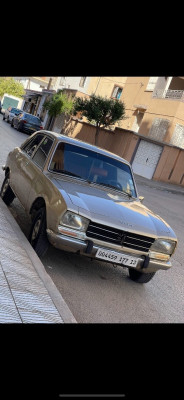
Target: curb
(54, 293)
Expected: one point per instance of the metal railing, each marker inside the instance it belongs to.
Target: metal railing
(169, 94)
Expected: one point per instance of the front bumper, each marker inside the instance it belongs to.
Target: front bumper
(89, 249)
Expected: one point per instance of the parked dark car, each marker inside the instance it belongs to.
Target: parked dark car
(10, 113)
(0, 107)
(26, 122)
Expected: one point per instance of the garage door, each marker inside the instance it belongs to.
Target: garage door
(146, 159)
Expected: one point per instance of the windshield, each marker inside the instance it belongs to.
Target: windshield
(93, 167)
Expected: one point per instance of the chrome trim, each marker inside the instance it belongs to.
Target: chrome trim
(73, 245)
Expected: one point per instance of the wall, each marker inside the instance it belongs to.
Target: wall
(104, 85)
(72, 82)
(171, 166)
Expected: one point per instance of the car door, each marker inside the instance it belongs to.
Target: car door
(21, 176)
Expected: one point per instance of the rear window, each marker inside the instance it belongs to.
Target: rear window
(13, 110)
(32, 118)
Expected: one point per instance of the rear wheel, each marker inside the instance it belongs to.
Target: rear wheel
(6, 192)
(3, 117)
(38, 235)
(140, 277)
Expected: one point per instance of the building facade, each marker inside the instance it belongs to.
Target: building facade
(154, 114)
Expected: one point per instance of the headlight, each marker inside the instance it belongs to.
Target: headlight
(74, 221)
(165, 246)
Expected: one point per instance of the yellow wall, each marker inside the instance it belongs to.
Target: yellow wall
(104, 85)
(135, 93)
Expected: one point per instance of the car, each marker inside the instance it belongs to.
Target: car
(10, 113)
(83, 199)
(0, 106)
(27, 123)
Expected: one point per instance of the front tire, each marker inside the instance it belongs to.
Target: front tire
(20, 127)
(140, 277)
(7, 194)
(38, 235)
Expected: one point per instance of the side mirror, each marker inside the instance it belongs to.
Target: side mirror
(141, 198)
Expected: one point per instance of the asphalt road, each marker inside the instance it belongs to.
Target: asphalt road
(96, 292)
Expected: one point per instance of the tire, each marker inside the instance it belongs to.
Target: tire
(7, 194)
(38, 235)
(3, 117)
(12, 124)
(140, 277)
(19, 127)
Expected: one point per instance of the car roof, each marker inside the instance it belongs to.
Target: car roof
(85, 145)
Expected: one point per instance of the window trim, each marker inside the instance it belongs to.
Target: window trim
(25, 144)
(32, 155)
(119, 87)
(34, 152)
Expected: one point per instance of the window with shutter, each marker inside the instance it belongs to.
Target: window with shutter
(158, 129)
(152, 82)
(117, 91)
(178, 136)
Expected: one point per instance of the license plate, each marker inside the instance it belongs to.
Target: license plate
(117, 258)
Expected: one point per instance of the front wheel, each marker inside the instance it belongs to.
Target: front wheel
(140, 277)
(6, 192)
(19, 127)
(38, 234)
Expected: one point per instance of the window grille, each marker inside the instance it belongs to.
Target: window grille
(177, 138)
(158, 129)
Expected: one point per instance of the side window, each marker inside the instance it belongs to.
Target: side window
(42, 152)
(31, 146)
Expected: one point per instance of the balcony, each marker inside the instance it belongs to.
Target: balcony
(169, 94)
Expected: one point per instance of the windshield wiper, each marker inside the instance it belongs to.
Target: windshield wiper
(114, 187)
(63, 171)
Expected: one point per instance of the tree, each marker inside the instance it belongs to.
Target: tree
(99, 110)
(11, 86)
(58, 104)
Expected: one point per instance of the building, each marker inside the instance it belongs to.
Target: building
(154, 121)
(32, 82)
(154, 116)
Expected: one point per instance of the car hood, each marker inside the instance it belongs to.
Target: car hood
(109, 207)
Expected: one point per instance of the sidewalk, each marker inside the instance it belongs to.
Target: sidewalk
(27, 293)
(169, 187)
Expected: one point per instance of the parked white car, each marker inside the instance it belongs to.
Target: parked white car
(10, 113)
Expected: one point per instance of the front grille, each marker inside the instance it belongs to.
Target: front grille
(117, 236)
